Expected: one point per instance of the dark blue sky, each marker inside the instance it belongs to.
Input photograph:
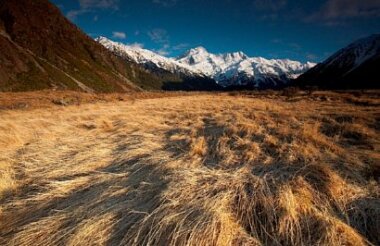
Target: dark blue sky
(300, 30)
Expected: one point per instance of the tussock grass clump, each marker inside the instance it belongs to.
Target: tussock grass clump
(229, 170)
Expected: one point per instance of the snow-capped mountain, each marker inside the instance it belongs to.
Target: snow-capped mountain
(230, 69)
(237, 68)
(174, 75)
(355, 66)
(147, 58)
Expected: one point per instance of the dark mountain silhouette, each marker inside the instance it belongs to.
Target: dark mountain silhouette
(353, 67)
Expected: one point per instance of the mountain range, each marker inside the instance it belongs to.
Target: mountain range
(238, 69)
(176, 76)
(228, 70)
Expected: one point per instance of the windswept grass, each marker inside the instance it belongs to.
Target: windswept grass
(193, 170)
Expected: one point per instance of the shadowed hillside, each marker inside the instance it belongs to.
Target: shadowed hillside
(353, 67)
(41, 49)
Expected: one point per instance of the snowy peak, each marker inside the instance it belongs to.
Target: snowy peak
(147, 58)
(102, 39)
(200, 55)
(237, 68)
(235, 56)
(197, 51)
(194, 56)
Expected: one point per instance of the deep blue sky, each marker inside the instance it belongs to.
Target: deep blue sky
(299, 30)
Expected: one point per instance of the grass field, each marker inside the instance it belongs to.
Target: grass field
(191, 169)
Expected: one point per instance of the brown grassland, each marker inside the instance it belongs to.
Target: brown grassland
(190, 169)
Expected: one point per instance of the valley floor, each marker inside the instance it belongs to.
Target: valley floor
(222, 169)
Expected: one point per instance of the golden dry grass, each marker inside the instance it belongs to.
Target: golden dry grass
(193, 170)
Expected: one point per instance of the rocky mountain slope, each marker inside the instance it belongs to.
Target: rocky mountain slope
(353, 67)
(41, 49)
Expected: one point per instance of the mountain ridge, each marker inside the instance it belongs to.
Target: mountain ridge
(228, 70)
(352, 67)
(238, 69)
(176, 76)
(146, 57)
(41, 49)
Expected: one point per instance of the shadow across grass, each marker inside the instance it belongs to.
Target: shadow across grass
(126, 190)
